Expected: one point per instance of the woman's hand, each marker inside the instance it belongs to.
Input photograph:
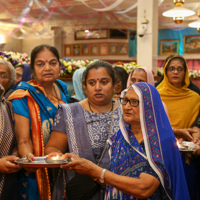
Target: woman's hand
(196, 140)
(185, 134)
(55, 154)
(197, 152)
(29, 157)
(7, 164)
(80, 165)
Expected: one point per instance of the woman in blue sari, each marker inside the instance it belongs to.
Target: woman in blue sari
(145, 160)
(35, 104)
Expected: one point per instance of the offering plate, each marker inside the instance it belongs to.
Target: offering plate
(56, 160)
(188, 146)
(41, 162)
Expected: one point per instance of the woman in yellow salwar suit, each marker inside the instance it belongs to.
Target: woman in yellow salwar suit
(183, 106)
(182, 103)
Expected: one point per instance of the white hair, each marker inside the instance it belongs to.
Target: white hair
(11, 69)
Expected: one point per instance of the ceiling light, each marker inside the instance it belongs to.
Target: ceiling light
(179, 12)
(196, 24)
(178, 20)
(178, 2)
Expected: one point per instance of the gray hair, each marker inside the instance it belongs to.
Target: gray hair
(11, 69)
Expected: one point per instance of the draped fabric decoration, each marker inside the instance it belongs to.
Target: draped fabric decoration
(27, 23)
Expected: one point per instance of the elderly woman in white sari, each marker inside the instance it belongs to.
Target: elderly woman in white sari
(144, 74)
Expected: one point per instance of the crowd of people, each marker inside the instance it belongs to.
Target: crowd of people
(118, 130)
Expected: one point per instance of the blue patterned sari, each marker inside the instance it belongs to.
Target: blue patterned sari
(159, 154)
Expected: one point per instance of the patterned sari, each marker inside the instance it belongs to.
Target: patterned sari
(87, 133)
(42, 109)
(159, 156)
(7, 142)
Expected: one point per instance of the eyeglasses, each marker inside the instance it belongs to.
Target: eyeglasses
(132, 102)
(173, 69)
(4, 76)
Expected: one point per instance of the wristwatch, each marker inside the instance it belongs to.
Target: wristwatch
(101, 178)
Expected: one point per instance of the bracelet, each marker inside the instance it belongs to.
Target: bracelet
(101, 178)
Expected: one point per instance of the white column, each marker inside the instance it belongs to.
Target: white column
(147, 41)
(58, 40)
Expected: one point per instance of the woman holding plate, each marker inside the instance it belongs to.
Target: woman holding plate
(84, 127)
(183, 106)
(145, 162)
(35, 104)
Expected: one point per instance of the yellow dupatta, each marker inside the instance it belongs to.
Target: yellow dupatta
(182, 103)
(42, 176)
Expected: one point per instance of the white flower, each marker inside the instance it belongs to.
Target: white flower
(83, 62)
(78, 63)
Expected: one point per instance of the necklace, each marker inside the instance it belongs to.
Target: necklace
(93, 111)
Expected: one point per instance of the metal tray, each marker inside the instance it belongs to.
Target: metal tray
(188, 146)
(39, 162)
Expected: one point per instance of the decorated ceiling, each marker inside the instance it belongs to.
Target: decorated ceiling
(21, 18)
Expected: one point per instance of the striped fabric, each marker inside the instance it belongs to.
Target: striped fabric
(6, 131)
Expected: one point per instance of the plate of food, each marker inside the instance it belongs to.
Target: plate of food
(187, 146)
(43, 162)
